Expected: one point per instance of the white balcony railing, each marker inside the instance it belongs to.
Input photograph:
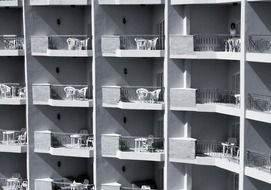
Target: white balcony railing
(63, 183)
(133, 97)
(217, 42)
(257, 102)
(13, 183)
(258, 160)
(64, 144)
(141, 144)
(68, 185)
(217, 149)
(205, 46)
(13, 137)
(11, 42)
(206, 95)
(133, 45)
(72, 140)
(62, 95)
(62, 45)
(259, 43)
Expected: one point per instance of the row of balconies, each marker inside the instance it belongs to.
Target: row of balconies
(135, 97)
(16, 3)
(202, 46)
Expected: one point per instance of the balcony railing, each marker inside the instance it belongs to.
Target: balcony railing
(11, 42)
(218, 150)
(141, 144)
(142, 42)
(142, 94)
(81, 140)
(258, 102)
(70, 92)
(13, 137)
(68, 185)
(204, 96)
(69, 42)
(217, 42)
(14, 183)
(258, 160)
(259, 43)
(12, 90)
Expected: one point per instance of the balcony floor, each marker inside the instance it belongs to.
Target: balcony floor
(136, 53)
(69, 152)
(13, 148)
(209, 55)
(226, 109)
(258, 174)
(224, 163)
(136, 106)
(66, 103)
(65, 53)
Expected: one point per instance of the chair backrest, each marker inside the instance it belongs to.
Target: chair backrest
(83, 131)
(16, 175)
(142, 92)
(69, 89)
(86, 182)
(232, 140)
(154, 42)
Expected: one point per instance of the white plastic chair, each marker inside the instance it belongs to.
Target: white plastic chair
(154, 95)
(82, 93)
(142, 94)
(70, 92)
(73, 43)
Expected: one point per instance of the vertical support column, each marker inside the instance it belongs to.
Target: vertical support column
(166, 94)
(94, 115)
(187, 84)
(186, 23)
(24, 7)
(243, 94)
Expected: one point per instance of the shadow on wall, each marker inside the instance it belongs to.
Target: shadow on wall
(59, 119)
(258, 137)
(59, 167)
(126, 172)
(18, 166)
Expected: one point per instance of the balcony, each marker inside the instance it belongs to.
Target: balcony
(130, 2)
(64, 144)
(10, 3)
(13, 141)
(205, 100)
(259, 48)
(259, 107)
(117, 186)
(12, 94)
(62, 95)
(13, 183)
(133, 46)
(59, 2)
(205, 46)
(201, 152)
(61, 46)
(11, 45)
(135, 98)
(63, 183)
(133, 148)
(258, 166)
